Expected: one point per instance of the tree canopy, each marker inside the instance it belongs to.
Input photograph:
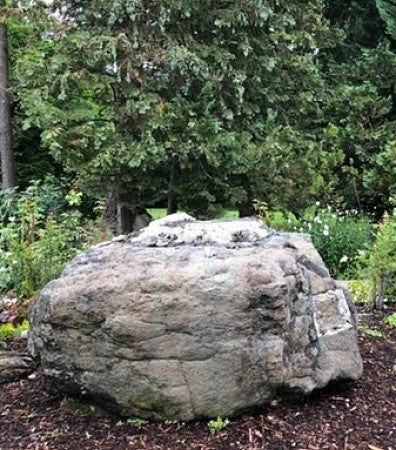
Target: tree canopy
(199, 100)
(207, 104)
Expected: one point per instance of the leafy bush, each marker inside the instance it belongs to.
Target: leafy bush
(49, 195)
(36, 240)
(340, 237)
(382, 260)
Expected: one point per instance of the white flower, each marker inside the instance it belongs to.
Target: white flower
(344, 259)
(325, 230)
(317, 219)
(317, 203)
(11, 219)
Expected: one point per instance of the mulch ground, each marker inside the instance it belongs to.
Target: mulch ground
(359, 415)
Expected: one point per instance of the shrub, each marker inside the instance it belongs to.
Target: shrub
(49, 195)
(382, 261)
(35, 241)
(340, 237)
(7, 204)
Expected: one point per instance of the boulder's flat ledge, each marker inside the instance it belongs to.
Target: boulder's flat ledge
(191, 319)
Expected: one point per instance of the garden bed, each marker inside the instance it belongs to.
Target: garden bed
(359, 415)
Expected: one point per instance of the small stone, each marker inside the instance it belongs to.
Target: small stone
(24, 334)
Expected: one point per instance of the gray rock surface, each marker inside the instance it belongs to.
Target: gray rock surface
(194, 319)
(14, 366)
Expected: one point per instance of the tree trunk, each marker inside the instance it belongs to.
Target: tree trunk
(110, 210)
(172, 204)
(121, 218)
(246, 210)
(6, 152)
(131, 220)
(125, 219)
(377, 292)
(379, 301)
(246, 207)
(172, 199)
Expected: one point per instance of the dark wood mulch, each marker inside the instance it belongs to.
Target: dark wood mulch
(360, 415)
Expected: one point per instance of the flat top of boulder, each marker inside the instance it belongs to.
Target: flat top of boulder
(182, 229)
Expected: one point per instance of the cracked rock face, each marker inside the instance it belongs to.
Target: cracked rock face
(192, 319)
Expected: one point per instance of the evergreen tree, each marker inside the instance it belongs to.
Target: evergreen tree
(362, 114)
(198, 103)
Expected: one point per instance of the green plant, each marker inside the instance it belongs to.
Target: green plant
(369, 331)
(382, 261)
(8, 330)
(171, 422)
(7, 204)
(217, 424)
(137, 421)
(35, 243)
(340, 237)
(391, 320)
(359, 289)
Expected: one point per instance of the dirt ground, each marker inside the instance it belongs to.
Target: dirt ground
(359, 415)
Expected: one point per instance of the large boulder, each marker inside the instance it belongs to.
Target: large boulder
(193, 319)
